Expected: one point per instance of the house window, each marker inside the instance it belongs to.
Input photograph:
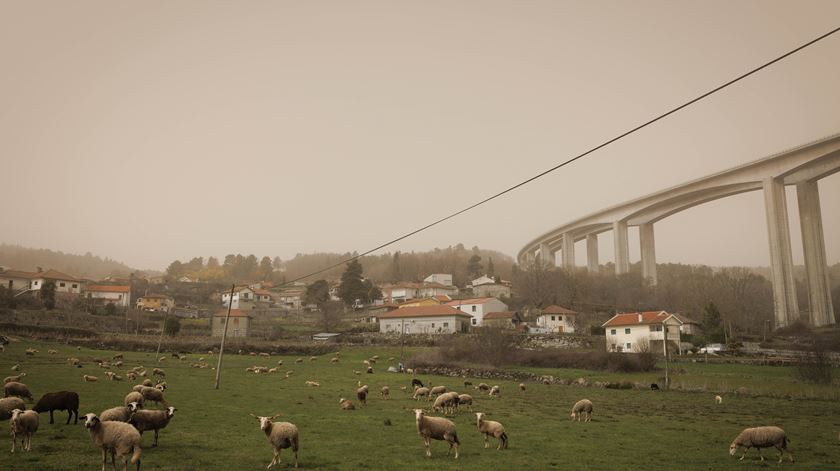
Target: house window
(473, 309)
(561, 318)
(474, 321)
(628, 345)
(612, 331)
(433, 325)
(61, 285)
(446, 324)
(656, 328)
(75, 285)
(552, 317)
(627, 331)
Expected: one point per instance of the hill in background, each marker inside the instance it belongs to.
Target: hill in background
(85, 266)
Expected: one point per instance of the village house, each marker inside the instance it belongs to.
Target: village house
(505, 319)
(373, 312)
(424, 320)
(64, 283)
(421, 302)
(639, 331)
(400, 292)
(557, 319)
(155, 302)
(478, 307)
(689, 326)
(444, 279)
(245, 297)
(428, 289)
(119, 296)
(16, 280)
(290, 297)
(488, 287)
(240, 323)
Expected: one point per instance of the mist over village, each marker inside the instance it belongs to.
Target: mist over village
(402, 235)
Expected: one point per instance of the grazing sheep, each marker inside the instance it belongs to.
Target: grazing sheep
(134, 396)
(279, 362)
(654, 387)
(521, 386)
(272, 370)
(73, 361)
(416, 383)
(346, 404)
(159, 372)
(8, 404)
(404, 389)
(280, 435)
(465, 400)
(491, 427)
(420, 392)
(495, 391)
(385, 392)
(289, 373)
(761, 437)
(119, 414)
(146, 382)
(436, 428)
(153, 394)
(118, 438)
(483, 387)
(370, 370)
(118, 356)
(52, 352)
(467, 383)
(17, 389)
(334, 360)
(583, 408)
(718, 400)
(437, 390)
(447, 402)
(155, 420)
(361, 395)
(25, 424)
(299, 360)
(15, 367)
(31, 352)
(264, 354)
(313, 358)
(90, 379)
(161, 359)
(13, 379)
(314, 384)
(131, 375)
(61, 400)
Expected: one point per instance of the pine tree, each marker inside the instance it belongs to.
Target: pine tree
(352, 286)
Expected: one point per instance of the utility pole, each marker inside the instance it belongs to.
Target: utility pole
(224, 335)
(162, 329)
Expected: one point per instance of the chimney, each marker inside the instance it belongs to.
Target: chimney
(640, 318)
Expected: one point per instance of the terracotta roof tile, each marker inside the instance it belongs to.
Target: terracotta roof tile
(108, 288)
(554, 309)
(639, 318)
(500, 315)
(461, 302)
(424, 311)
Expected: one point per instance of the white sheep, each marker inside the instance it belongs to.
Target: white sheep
(13, 379)
(718, 400)
(465, 400)
(495, 391)
(153, 394)
(522, 386)
(155, 420)
(280, 435)
(8, 404)
(118, 438)
(583, 408)
(134, 396)
(119, 414)
(90, 379)
(491, 427)
(385, 392)
(17, 389)
(346, 404)
(313, 384)
(436, 428)
(25, 424)
(447, 402)
(761, 437)
(420, 392)
(437, 390)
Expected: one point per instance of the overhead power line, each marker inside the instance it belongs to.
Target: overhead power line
(573, 159)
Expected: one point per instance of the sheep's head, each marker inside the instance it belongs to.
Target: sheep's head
(572, 415)
(15, 414)
(418, 414)
(133, 406)
(478, 417)
(265, 422)
(733, 448)
(170, 411)
(91, 420)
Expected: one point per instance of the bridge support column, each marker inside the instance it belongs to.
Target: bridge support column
(546, 256)
(622, 249)
(568, 252)
(592, 253)
(813, 243)
(648, 249)
(781, 260)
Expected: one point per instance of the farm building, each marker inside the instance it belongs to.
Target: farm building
(637, 331)
(478, 307)
(120, 296)
(425, 320)
(155, 302)
(240, 323)
(557, 319)
(506, 319)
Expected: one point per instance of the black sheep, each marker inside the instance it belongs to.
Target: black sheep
(61, 400)
(416, 383)
(654, 387)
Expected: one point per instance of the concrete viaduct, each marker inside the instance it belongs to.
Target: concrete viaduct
(802, 166)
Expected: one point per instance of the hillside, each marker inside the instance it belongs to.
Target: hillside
(85, 266)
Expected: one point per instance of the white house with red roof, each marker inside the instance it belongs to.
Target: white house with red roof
(120, 296)
(64, 283)
(245, 297)
(436, 319)
(556, 319)
(478, 307)
(635, 331)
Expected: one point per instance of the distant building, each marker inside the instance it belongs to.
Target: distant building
(155, 302)
(240, 323)
(119, 296)
(420, 302)
(246, 298)
(401, 292)
(478, 307)
(440, 278)
(491, 290)
(424, 320)
(329, 337)
(557, 319)
(64, 283)
(16, 280)
(637, 331)
(505, 319)
(689, 326)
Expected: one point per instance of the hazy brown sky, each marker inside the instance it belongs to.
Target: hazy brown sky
(153, 130)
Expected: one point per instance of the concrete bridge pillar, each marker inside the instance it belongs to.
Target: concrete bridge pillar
(592, 253)
(545, 255)
(568, 252)
(648, 249)
(813, 243)
(781, 260)
(622, 249)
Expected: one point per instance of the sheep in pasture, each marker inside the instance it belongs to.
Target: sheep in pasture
(583, 408)
(370, 370)
(25, 424)
(416, 383)
(61, 400)
(272, 370)
(13, 379)
(385, 392)
(718, 400)
(159, 372)
(116, 378)
(313, 384)
(522, 386)
(264, 354)
(161, 359)
(495, 391)
(153, 394)
(134, 396)
(30, 352)
(52, 351)
(437, 428)
(118, 364)
(761, 437)
(404, 389)
(420, 392)
(357, 372)
(491, 427)
(280, 435)
(118, 356)
(361, 395)
(119, 414)
(8, 404)
(334, 360)
(346, 404)
(155, 420)
(279, 362)
(465, 400)
(437, 390)
(17, 389)
(299, 360)
(161, 386)
(73, 361)
(118, 438)
(147, 382)
(446, 402)
(483, 387)
(313, 358)
(131, 375)
(90, 379)
(467, 383)
(654, 387)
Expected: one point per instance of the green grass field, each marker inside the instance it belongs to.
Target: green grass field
(212, 429)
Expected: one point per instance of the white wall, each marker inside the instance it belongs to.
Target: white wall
(422, 325)
(442, 278)
(479, 310)
(119, 299)
(561, 323)
(638, 334)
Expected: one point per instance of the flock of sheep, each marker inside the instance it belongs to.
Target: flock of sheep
(118, 430)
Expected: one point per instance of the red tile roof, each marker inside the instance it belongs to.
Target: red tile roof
(261, 292)
(633, 318)
(233, 313)
(424, 311)
(499, 315)
(17, 274)
(554, 309)
(461, 302)
(442, 298)
(54, 275)
(108, 288)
